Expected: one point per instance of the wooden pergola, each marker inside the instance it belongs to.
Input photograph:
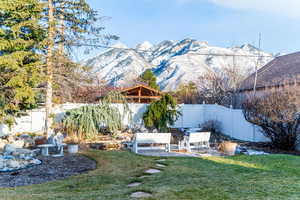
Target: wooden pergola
(141, 94)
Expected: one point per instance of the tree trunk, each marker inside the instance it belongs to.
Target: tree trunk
(49, 91)
(61, 48)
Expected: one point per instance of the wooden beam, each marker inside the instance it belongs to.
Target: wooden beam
(143, 97)
(141, 86)
(140, 94)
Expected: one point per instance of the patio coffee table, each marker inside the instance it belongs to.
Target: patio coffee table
(45, 148)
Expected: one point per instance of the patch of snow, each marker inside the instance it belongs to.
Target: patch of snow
(144, 46)
(254, 152)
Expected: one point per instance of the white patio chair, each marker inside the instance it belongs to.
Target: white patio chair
(198, 139)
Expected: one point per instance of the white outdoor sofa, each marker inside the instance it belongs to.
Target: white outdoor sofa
(151, 138)
(198, 139)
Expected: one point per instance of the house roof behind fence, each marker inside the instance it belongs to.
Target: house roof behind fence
(281, 70)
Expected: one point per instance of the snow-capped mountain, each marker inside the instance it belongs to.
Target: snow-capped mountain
(173, 62)
(117, 66)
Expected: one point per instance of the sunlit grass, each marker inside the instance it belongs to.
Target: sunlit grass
(240, 177)
(238, 163)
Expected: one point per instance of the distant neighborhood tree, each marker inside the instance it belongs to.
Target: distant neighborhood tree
(214, 88)
(278, 115)
(188, 93)
(161, 114)
(149, 78)
(21, 37)
(220, 86)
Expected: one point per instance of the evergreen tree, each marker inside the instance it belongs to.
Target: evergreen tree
(21, 36)
(161, 114)
(188, 93)
(149, 78)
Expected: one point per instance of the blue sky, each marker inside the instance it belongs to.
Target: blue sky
(220, 22)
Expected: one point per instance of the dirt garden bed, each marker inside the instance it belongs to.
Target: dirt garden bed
(51, 169)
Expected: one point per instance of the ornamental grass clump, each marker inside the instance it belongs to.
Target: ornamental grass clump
(87, 121)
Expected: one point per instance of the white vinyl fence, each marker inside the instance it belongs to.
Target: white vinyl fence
(232, 121)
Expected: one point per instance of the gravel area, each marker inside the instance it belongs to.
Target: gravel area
(51, 169)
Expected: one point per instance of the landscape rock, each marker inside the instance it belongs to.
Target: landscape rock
(2, 144)
(9, 149)
(13, 164)
(10, 138)
(160, 165)
(24, 153)
(18, 143)
(152, 171)
(9, 163)
(135, 184)
(140, 195)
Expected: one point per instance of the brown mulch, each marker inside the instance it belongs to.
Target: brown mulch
(51, 169)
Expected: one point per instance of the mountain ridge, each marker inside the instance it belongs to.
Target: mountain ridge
(173, 62)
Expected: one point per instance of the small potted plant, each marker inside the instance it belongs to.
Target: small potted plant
(72, 143)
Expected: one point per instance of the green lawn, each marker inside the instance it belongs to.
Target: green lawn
(240, 177)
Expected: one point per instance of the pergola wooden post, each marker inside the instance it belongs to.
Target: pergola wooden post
(140, 94)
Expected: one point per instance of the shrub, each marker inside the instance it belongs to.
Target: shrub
(161, 114)
(213, 126)
(277, 114)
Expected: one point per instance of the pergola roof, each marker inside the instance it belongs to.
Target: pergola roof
(141, 93)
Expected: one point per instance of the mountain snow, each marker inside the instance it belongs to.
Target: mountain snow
(173, 62)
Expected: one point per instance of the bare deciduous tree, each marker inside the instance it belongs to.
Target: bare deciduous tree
(214, 88)
(277, 114)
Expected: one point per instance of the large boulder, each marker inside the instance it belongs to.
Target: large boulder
(10, 138)
(4, 130)
(2, 144)
(9, 149)
(14, 164)
(18, 143)
(25, 153)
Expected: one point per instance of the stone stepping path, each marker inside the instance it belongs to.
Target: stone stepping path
(160, 165)
(152, 171)
(144, 176)
(140, 195)
(135, 184)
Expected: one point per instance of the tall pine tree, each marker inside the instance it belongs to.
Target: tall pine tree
(71, 23)
(21, 36)
(149, 78)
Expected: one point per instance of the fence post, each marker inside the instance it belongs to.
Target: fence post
(31, 121)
